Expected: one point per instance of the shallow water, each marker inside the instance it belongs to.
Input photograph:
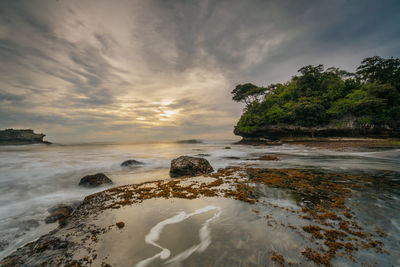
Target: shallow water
(36, 177)
(223, 232)
(200, 232)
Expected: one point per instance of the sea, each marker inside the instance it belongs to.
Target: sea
(34, 178)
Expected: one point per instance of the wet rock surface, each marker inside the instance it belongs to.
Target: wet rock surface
(95, 180)
(185, 165)
(38, 253)
(131, 163)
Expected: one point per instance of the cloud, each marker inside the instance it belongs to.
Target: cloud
(101, 70)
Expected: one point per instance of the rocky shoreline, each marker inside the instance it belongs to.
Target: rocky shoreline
(331, 227)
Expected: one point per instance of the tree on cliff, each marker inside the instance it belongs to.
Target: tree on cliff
(380, 70)
(319, 97)
(247, 93)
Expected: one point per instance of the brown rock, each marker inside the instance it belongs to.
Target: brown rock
(120, 225)
(185, 165)
(95, 180)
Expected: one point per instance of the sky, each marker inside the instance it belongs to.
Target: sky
(82, 71)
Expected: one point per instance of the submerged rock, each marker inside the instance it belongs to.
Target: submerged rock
(3, 244)
(131, 163)
(231, 157)
(95, 180)
(268, 157)
(29, 224)
(59, 213)
(185, 165)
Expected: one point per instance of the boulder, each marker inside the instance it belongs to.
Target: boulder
(95, 180)
(59, 213)
(185, 165)
(131, 163)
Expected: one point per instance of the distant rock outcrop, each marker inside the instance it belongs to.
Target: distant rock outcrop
(189, 141)
(95, 180)
(21, 137)
(185, 165)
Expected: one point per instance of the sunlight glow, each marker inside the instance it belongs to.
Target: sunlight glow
(169, 113)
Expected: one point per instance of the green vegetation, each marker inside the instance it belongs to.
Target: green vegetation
(318, 97)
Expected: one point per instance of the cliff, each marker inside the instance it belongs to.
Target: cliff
(347, 127)
(21, 137)
(325, 103)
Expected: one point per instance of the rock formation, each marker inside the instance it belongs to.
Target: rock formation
(185, 165)
(95, 180)
(131, 163)
(275, 132)
(21, 137)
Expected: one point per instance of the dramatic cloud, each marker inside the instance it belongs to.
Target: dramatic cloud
(145, 70)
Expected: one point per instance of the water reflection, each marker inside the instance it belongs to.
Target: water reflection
(204, 236)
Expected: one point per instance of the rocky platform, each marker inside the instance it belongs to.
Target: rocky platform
(328, 224)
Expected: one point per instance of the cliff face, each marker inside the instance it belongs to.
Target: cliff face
(20, 137)
(280, 131)
(347, 127)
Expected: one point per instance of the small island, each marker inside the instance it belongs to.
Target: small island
(322, 103)
(21, 137)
